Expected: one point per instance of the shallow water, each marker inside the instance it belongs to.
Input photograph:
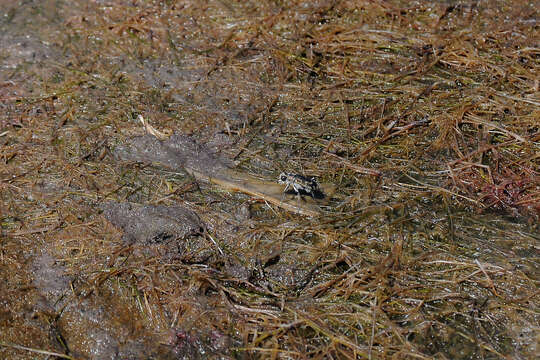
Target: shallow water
(115, 244)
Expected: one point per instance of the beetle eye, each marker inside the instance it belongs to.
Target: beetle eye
(283, 177)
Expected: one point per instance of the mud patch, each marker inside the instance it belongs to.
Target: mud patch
(287, 276)
(170, 231)
(152, 224)
(177, 152)
(226, 95)
(104, 328)
(49, 276)
(196, 344)
(94, 328)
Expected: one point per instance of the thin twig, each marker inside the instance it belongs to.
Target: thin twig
(38, 351)
(491, 285)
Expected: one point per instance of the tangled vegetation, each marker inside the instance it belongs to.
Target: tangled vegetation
(422, 116)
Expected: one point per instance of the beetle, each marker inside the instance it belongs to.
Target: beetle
(300, 185)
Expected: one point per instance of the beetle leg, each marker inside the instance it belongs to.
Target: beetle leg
(297, 189)
(286, 187)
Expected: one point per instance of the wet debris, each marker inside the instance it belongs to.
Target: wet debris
(98, 328)
(152, 224)
(177, 152)
(172, 231)
(50, 277)
(196, 344)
